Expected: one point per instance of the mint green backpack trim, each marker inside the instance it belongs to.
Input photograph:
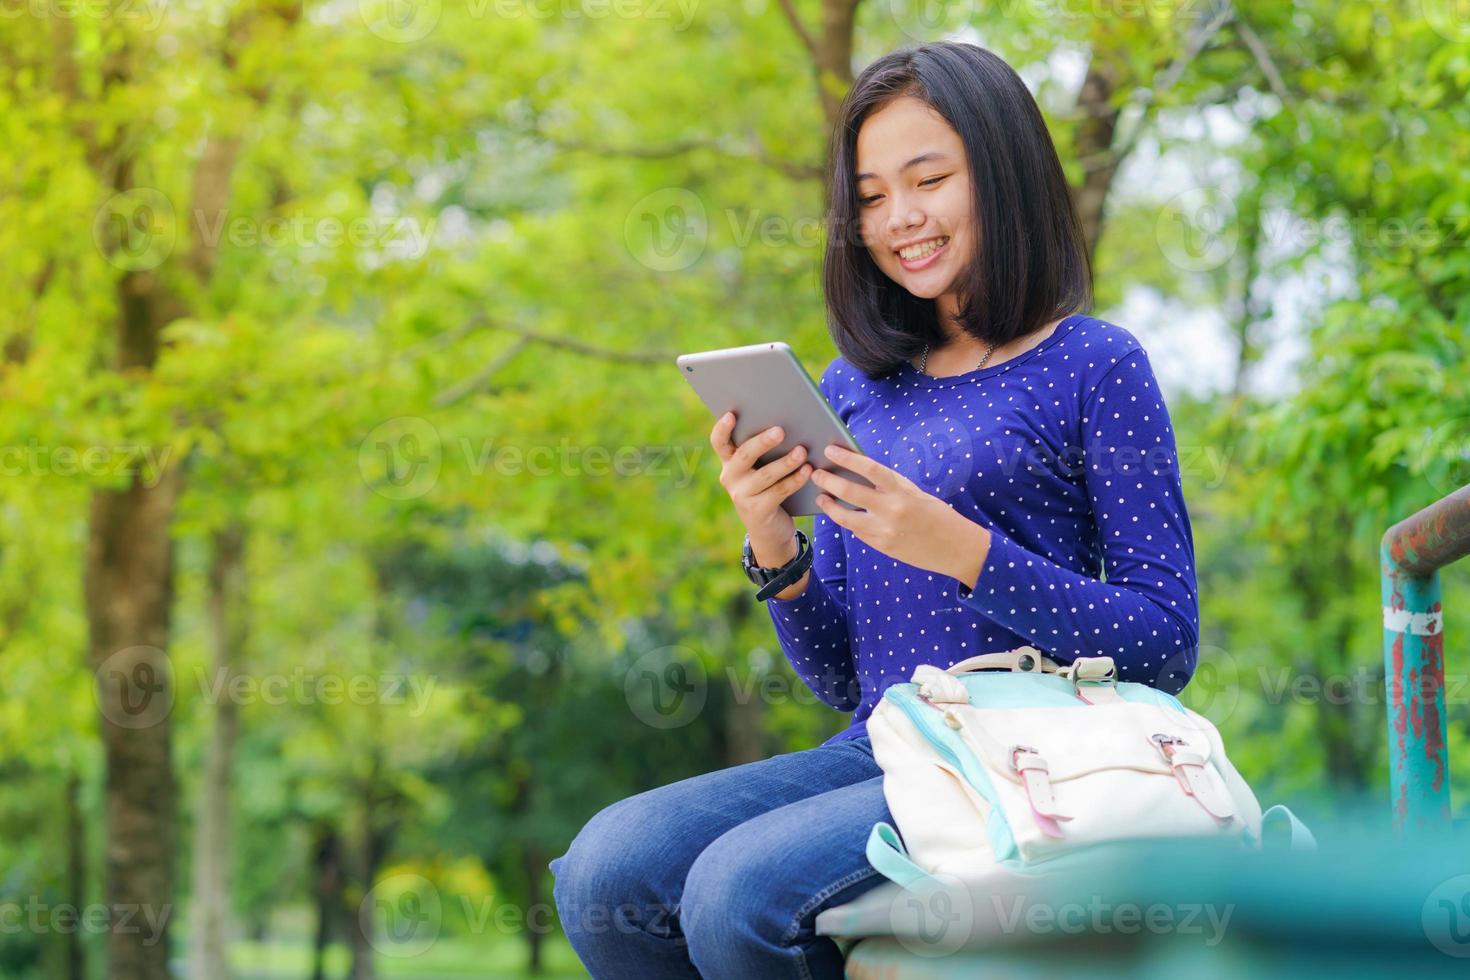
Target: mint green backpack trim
(887, 853)
(1016, 690)
(954, 750)
(1003, 690)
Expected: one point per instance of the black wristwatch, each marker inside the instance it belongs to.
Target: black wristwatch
(773, 580)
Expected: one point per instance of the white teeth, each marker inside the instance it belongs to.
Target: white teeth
(922, 249)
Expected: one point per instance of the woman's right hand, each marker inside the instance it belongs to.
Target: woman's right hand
(757, 492)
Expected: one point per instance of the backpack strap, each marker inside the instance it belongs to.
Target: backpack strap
(940, 686)
(1025, 660)
(1094, 679)
(886, 853)
(944, 687)
(1301, 837)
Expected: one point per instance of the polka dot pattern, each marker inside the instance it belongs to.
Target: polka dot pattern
(1066, 454)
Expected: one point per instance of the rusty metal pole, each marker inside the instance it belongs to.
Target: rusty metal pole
(1411, 554)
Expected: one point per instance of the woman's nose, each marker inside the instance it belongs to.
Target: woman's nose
(902, 219)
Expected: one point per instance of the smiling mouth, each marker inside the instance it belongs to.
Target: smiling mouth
(922, 255)
(915, 252)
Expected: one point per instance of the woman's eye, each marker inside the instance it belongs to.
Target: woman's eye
(865, 201)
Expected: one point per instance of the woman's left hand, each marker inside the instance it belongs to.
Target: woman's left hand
(901, 519)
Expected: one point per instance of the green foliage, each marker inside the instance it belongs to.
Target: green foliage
(429, 369)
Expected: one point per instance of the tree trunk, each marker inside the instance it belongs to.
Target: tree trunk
(744, 709)
(364, 923)
(833, 55)
(129, 590)
(1322, 575)
(213, 835)
(1348, 758)
(129, 594)
(129, 565)
(533, 862)
(327, 874)
(74, 953)
(1094, 146)
(1249, 311)
(743, 718)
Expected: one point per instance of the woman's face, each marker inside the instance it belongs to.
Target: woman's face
(913, 185)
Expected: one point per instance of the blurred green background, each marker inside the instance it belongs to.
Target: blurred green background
(359, 540)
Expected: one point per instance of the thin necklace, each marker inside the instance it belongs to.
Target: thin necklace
(925, 359)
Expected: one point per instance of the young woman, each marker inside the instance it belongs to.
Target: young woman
(1016, 446)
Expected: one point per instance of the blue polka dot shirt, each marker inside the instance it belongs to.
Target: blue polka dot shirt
(1066, 455)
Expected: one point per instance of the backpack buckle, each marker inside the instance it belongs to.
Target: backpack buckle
(1189, 773)
(1028, 764)
(1099, 669)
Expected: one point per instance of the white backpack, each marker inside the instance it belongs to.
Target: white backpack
(1017, 772)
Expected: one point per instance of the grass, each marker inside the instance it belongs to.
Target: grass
(448, 957)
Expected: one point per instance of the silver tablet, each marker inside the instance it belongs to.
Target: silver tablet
(765, 385)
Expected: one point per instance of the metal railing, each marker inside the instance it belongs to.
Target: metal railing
(1410, 556)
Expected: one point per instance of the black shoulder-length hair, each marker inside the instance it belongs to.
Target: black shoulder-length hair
(1031, 264)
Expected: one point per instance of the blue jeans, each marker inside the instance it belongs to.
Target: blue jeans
(722, 875)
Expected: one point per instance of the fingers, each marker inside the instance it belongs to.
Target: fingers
(866, 466)
(838, 486)
(719, 436)
(739, 474)
(787, 485)
(779, 469)
(757, 445)
(842, 516)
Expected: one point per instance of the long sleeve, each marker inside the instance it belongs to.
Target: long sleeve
(812, 626)
(1146, 614)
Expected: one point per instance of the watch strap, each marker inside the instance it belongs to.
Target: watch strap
(761, 574)
(791, 571)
